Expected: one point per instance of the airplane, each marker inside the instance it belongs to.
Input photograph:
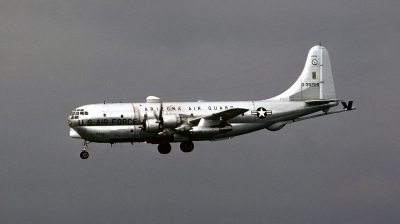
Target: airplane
(162, 123)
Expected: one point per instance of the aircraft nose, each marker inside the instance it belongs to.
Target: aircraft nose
(77, 114)
(74, 115)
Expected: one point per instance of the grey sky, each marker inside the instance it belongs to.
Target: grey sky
(58, 55)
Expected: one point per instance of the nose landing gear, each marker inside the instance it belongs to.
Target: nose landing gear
(84, 154)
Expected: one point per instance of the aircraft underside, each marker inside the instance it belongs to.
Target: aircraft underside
(185, 140)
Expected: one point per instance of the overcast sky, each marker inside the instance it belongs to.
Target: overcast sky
(58, 55)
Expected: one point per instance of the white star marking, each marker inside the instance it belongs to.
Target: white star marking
(261, 112)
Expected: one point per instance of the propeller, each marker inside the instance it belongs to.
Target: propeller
(160, 118)
(143, 128)
(348, 106)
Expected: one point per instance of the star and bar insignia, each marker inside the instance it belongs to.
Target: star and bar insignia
(261, 112)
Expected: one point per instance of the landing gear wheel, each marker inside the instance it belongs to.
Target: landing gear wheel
(164, 148)
(187, 146)
(84, 155)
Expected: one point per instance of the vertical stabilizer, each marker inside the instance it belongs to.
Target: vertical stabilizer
(315, 82)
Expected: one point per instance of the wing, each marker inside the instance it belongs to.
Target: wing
(219, 117)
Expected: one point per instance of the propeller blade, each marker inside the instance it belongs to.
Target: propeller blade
(144, 122)
(160, 118)
(160, 114)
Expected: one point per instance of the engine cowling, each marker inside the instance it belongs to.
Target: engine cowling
(168, 121)
(171, 121)
(152, 126)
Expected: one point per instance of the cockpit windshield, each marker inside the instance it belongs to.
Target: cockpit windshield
(75, 113)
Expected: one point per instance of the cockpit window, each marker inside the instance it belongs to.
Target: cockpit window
(76, 112)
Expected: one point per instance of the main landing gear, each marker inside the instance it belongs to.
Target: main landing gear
(187, 146)
(84, 154)
(165, 148)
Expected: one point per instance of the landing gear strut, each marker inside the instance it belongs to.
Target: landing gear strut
(164, 148)
(84, 154)
(187, 146)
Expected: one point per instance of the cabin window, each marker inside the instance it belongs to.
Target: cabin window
(314, 75)
(86, 113)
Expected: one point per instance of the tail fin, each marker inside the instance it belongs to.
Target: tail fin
(315, 82)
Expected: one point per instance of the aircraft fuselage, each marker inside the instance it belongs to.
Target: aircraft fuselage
(123, 122)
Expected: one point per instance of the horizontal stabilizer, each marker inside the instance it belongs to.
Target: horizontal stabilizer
(313, 116)
(348, 106)
(320, 102)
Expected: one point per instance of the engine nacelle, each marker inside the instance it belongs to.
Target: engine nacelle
(152, 126)
(171, 121)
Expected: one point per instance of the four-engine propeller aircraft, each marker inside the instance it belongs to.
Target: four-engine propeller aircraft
(163, 123)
